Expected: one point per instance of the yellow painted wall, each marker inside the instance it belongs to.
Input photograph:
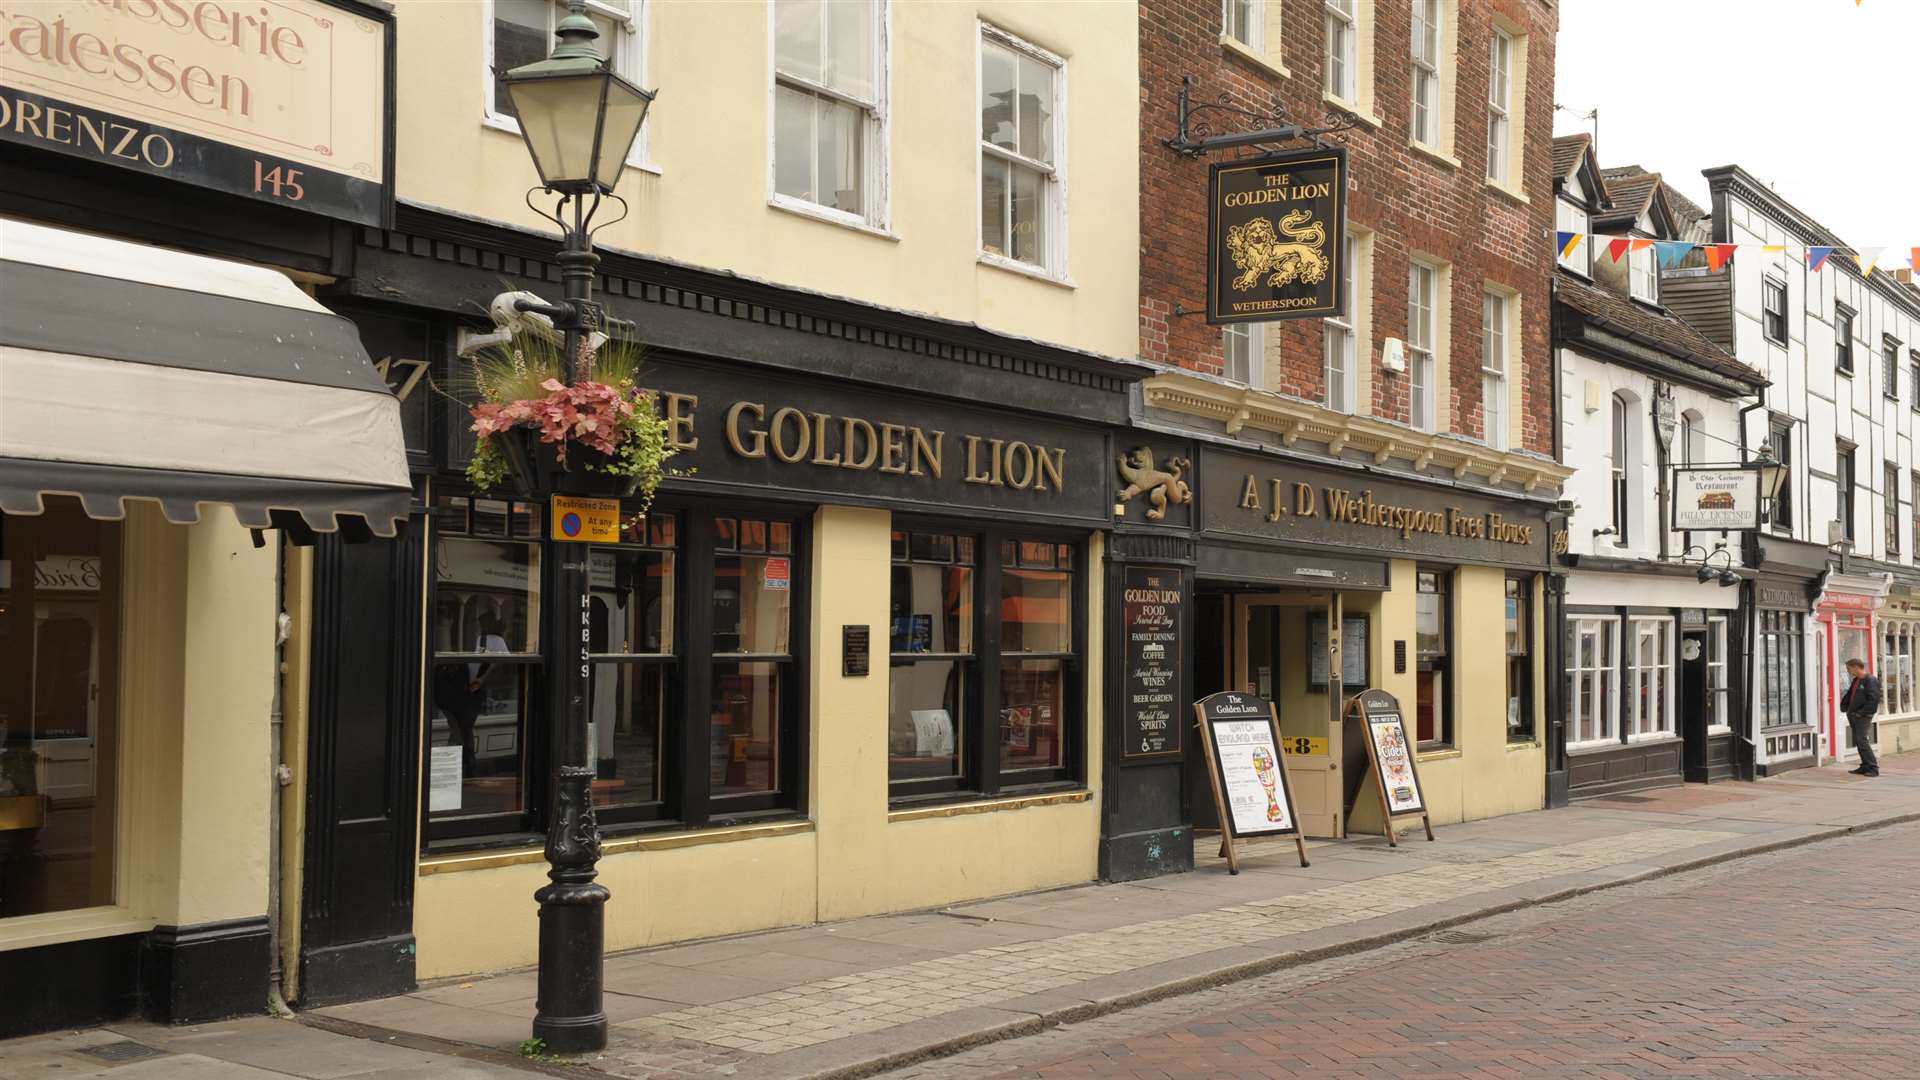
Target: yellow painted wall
(1484, 775)
(708, 203)
(855, 863)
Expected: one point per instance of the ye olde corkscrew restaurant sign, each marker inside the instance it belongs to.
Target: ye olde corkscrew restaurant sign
(1275, 237)
(1716, 499)
(286, 101)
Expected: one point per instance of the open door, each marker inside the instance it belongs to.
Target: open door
(1287, 649)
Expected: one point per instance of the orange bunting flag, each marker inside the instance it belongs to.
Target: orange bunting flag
(1719, 255)
(1914, 260)
(1639, 245)
(1616, 249)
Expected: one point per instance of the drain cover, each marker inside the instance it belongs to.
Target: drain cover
(1460, 937)
(124, 1050)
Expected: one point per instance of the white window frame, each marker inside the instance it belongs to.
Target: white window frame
(1337, 335)
(1254, 335)
(1496, 362)
(1643, 278)
(629, 60)
(1605, 631)
(1719, 689)
(1499, 104)
(1256, 38)
(1055, 268)
(1642, 686)
(1422, 371)
(874, 139)
(1569, 216)
(1897, 639)
(1343, 23)
(1429, 66)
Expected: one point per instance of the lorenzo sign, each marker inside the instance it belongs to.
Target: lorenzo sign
(284, 101)
(1276, 227)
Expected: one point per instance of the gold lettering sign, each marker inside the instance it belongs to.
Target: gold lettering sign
(1275, 237)
(1360, 510)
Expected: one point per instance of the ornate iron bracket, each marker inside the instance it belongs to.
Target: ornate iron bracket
(1196, 136)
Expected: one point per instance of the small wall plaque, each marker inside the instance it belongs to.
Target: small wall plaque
(856, 650)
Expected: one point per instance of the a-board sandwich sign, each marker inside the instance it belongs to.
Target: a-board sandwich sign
(1248, 765)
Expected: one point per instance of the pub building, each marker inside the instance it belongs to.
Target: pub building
(1656, 628)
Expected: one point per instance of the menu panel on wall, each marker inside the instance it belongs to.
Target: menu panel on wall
(1152, 602)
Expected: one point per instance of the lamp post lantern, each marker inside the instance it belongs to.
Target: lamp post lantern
(579, 120)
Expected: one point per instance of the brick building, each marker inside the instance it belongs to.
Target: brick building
(1430, 396)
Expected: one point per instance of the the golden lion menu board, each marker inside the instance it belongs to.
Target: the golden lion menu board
(1248, 767)
(1275, 237)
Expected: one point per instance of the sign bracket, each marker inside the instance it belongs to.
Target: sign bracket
(1196, 138)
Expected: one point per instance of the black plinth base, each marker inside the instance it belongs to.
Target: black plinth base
(570, 1018)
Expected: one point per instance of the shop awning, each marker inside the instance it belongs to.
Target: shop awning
(136, 372)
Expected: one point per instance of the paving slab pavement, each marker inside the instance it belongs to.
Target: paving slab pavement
(250, 1048)
(851, 998)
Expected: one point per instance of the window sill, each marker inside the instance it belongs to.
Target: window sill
(1437, 753)
(57, 927)
(1434, 152)
(1653, 738)
(1359, 113)
(1594, 746)
(1001, 262)
(1528, 743)
(1719, 729)
(1233, 46)
(944, 807)
(815, 212)
(512, 127)
(661, 840)
(1500, 188)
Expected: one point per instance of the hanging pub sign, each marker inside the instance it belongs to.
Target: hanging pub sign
(1718, 499)
(289, 102)
(1276, 229)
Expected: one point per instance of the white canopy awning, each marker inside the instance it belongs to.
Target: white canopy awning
(136, 372)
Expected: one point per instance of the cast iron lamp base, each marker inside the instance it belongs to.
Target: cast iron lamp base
(569, 1017)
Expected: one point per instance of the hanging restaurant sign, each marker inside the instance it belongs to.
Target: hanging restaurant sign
(1719, 499)
(288, 103)
(1275, 237)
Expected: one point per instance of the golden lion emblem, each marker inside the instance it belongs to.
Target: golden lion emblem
(1160, 486)
(1258, 251)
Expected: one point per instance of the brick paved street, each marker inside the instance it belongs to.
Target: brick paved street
(1801, 964)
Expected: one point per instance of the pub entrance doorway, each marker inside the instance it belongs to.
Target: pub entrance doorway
(1284, 646)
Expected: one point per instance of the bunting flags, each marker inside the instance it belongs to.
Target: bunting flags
(1670, 253)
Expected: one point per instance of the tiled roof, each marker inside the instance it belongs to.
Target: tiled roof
(1567, 151)
(1649, 326)
(1631, 188)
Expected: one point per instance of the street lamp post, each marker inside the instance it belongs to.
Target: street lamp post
(579, 120)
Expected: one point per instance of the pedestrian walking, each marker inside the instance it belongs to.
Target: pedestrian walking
(1860, 703)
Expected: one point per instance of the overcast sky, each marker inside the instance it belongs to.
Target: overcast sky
(1820, 98)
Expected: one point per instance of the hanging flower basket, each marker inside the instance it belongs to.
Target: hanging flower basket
(599, 436)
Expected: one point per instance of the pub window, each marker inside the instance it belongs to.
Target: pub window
(1650, 677)
(1890, 506)
(1425, 62)
(1022, 138)
(1773, 310)
(1519, 634)
(829, 107)
(1422, 391)
(1843, 341)
(486, 681)
(1243, 353)
(1343, 48)
(521, 32)
(1493, 368)
(633, 683)
(1499, 104)
(754, 696)
(1245, 21)
(1780, 441)
(1337, 344)
(1782, 668)
(1037, 659)
(1845, 480)
(1433, 639)
(932, 724)
(1593, 679)
(59, 709)
(1719, 707)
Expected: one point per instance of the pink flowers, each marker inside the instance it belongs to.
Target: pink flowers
(586, 412)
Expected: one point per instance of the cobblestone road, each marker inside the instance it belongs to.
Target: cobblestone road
(1805, 963)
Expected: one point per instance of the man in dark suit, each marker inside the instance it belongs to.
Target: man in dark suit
(1861, 702)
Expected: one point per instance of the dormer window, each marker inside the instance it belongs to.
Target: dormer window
(1571, 217)
(1643, 282)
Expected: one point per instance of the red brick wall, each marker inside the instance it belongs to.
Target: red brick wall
(1407, 199)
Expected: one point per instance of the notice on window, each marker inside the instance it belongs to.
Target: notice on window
(1249, 770)
(443, 779)
(1152, 605)
(778, 573)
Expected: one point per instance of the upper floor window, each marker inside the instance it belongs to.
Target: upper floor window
(1571, 217)
(521, 32)
(1890, 506)
(1845, 480)
(1343, 48)
(1021, 136)
(1890, 367)
(1338, 341)
(1421, 336)
(1493, 368)
(1913, 365)
(1693, 438)
(1780, 441)
(1499, 105)
(1242, 352)
(1773, 310)
(1426, 72)
(1618, 472)
(828, 94)
(1843, 341)
(1643, 283)
(1245, 21)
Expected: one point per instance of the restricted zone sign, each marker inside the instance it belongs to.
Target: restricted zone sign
(586, 521)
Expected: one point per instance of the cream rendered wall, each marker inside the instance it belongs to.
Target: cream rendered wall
(709, 139)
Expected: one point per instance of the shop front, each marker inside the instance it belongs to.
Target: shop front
(1786, 679)
(1898, 635)
(1845, 629)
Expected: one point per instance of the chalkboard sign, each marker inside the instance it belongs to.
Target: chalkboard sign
(1390, 753)
(1152, 603)
(1240, 734)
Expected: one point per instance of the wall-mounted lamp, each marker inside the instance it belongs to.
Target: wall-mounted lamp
(1724, 574)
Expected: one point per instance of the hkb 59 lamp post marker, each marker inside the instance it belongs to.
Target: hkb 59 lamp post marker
(579, 120)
